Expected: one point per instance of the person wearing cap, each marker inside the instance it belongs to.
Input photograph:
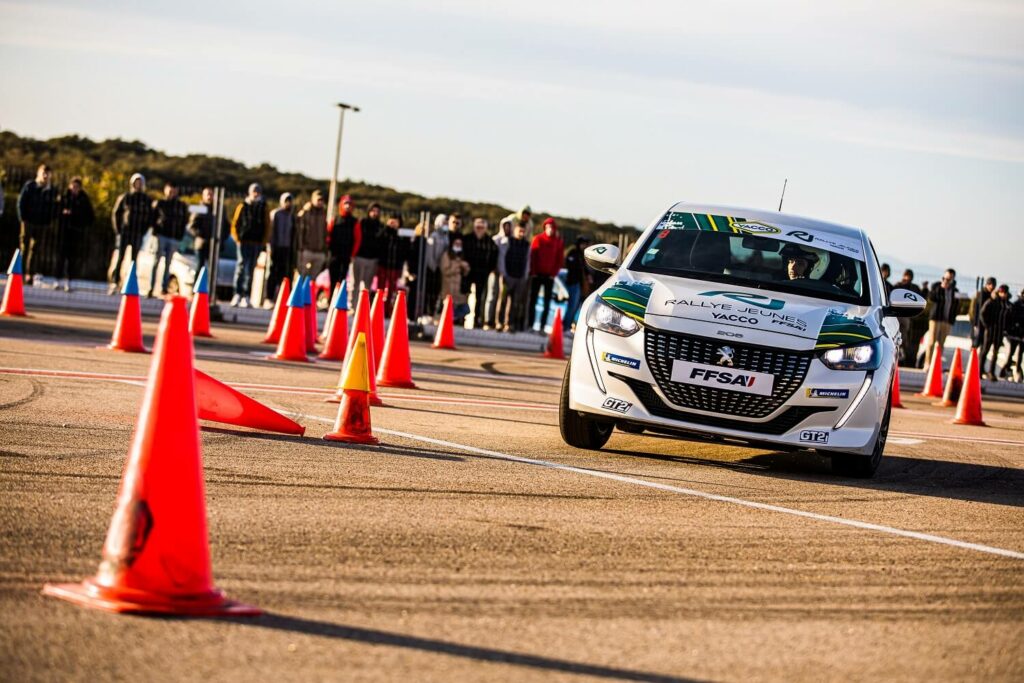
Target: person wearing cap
(311, 235)
(993, 320)
(344, 236)
(250, 228)
(576, 283)
(170, 216)
(130, 218)
(37, 207)
(282, 224)
(974, 310)
(546, 258)
(481, 253)
(364, 263)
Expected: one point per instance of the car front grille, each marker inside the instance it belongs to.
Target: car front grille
(789, 367)
(780, 424)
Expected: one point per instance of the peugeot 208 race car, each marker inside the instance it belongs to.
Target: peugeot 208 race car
(741, 325)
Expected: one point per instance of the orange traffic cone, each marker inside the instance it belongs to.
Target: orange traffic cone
(331, 310)
(968, 409)
(445, 336)
(377, 321)
(220, 403)
(555, 342)
(895, 399)
(14, 295)
(933, 382)
(276, 325)
(310, 309)
(353, 423)
(156, 558)
(128, 328)
(396, 365)
(337, 327)
(954, 383)
(199, 318)
(292, 345)
(361, 324)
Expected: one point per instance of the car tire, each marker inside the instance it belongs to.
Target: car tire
(578, 430)
(864, 466)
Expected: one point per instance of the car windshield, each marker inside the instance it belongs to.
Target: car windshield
(754, 261)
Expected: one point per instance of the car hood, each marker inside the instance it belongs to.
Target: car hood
(745, 315)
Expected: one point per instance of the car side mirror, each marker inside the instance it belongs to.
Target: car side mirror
(904, 303)
(603, 258)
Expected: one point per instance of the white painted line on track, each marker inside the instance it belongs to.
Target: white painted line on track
(868, 526)
(976, 439)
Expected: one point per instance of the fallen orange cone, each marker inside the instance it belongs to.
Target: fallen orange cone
(396, 364)
(933, 382)
(220, 403)
(156, 558)
(127, 335)
(555, 348)
(445, 336)
(353, 423)
(199, 317)
(292, 345)
(276, 325)
(14, 291)
(954, 383)
(337, 327)
(968, 409)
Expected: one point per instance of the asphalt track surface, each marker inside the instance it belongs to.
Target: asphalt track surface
(474, 545)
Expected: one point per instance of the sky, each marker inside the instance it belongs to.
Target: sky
(903, 118)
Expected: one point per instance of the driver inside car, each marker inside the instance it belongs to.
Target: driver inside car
(798, 262)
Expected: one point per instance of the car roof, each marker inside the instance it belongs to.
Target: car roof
(786, 219)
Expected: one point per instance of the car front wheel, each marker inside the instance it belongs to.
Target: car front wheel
(580, 431)
(864, 466)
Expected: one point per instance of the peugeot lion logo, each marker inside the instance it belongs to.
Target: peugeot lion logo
(726, 353)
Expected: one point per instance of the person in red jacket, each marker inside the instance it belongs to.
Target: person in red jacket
(546, 257)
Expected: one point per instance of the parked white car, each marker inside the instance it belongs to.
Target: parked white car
(740, 325)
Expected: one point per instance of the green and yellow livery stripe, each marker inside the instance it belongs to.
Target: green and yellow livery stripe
(705, 222)
(628, 297)
(839, 330)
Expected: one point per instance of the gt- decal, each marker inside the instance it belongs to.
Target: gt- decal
(617, 404)
(746, 381)
(814, 436)
(620, 360)
(828, 393)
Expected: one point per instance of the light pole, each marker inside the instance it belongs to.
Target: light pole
(337, 160)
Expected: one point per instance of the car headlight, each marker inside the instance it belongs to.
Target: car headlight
(865, 356)
(604, 317)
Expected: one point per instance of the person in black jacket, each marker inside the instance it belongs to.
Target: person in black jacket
(576, 280)
(250, 228)
(1015, 334)
(342, 241)
(393, 251)
(170, 218)
(481, 253)
(200, 226)
(130, 219)
(76, 216)
(974, 311)
(37, 205)
(364, 265)
(943, 312)
(993, 325)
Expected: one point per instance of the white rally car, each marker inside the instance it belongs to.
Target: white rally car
(741, 325)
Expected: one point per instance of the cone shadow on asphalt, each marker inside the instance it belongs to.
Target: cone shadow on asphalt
(897, 474)
(497, 418)
(324, 629)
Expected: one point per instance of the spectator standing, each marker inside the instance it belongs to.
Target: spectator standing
(250, 228)
(282, 232)
(311, 235)
(943, 313)
(37, 205)
(491, 316)
(412, 280)
(546, 257)
(575, 279)
(343, 240)
(453, 268)
(886, 285)
(1015, 333)
(482, 256)
(393, 252)
(170, 217)
(514, 272)
(974, 311)
(200, 226)
(436, 246)
(909, 345)
(76, 216)
(993, 326)
(523, 217)
(130, 218)
(364, 265)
